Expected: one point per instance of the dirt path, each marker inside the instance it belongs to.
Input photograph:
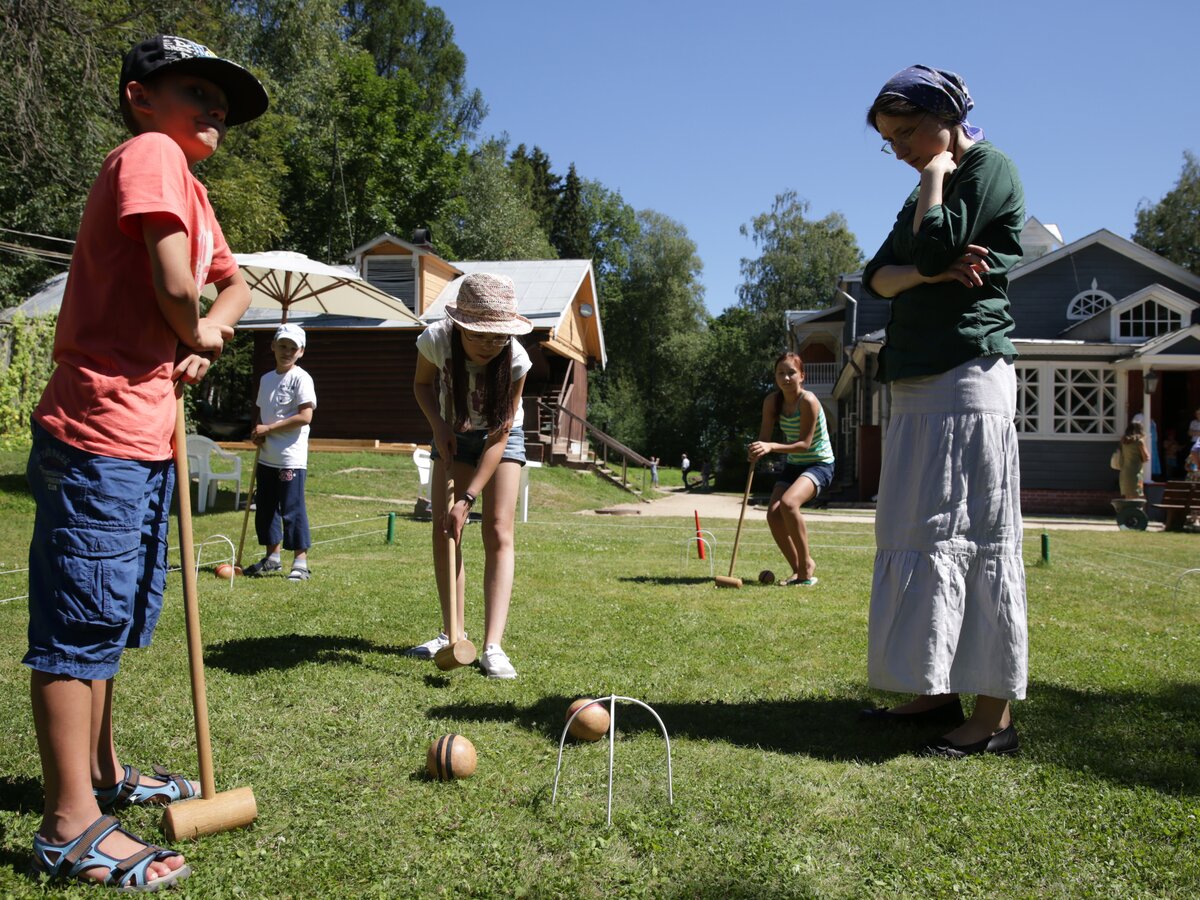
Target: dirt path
(677, 502)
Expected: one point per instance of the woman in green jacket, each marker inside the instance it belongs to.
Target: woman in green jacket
(948, 595)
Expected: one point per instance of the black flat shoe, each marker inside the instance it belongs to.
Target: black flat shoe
(1002, 743)
(949, 713)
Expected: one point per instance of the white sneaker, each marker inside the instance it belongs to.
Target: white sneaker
(430, 648)
(495, 663)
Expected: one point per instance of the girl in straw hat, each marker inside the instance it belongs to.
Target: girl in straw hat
(470, 375)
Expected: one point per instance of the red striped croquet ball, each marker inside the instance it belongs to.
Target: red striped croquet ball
(450, 756)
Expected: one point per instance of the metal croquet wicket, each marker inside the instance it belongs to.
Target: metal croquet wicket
(612, 730)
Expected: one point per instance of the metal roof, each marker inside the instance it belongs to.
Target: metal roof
(545, 287)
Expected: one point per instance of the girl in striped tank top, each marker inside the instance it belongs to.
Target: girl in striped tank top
(808, 466)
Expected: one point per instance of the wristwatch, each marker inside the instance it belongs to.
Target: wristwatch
(469, 499)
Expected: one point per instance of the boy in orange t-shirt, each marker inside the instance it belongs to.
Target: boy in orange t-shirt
(130, 330)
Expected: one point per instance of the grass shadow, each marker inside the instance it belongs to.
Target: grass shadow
(15, 484)
(249, 656)
(1133, 739)
(20, 794)
(666, 579)
(823, 728)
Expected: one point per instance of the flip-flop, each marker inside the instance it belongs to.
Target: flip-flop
(794, 581)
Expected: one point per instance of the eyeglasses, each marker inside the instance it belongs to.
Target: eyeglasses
(486, 340)
(889, 147)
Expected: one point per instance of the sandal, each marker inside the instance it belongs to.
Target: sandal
(125, 875)
(131, 792)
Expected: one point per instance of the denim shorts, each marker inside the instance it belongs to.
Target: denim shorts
(98, 558)
(468, 446)
(820, 474)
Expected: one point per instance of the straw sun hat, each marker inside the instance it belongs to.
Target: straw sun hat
(488, 303)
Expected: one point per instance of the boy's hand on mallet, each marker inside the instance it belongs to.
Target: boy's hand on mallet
(211, 336)
(189, 368)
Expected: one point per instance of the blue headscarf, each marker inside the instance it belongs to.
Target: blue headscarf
(940, 92)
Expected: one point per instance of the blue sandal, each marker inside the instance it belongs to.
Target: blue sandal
(131, 792)
(125, 875)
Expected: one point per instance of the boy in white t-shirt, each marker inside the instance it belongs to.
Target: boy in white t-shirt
(286, 400)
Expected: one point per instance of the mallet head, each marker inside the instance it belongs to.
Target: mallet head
(460, 653)
(190, 819)
(727, 582)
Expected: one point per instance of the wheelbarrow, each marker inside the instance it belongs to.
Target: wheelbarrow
(1131, 514)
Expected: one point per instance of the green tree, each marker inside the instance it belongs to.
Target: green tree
(538, 184)
(648, 326)
(570, 234)
(410, 36)
(488, 217)
(1171, 227)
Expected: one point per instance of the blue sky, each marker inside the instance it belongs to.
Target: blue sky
(705, 111)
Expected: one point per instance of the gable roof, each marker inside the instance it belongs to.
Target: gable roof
(546, 291)
(1117, 244)
(387, 238)
(1155, 291)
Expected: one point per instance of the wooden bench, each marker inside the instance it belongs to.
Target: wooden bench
(1180, 500)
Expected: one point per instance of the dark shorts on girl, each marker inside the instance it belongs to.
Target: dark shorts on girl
(820, 474)
(280, 515)
(469, 445)
(98, 557)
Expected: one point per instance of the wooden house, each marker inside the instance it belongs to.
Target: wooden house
(1104, 329)
(363, 368)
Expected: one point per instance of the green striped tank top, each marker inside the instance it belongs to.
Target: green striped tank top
(820, 451)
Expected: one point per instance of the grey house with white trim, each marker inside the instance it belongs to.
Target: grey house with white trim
(1104, 329)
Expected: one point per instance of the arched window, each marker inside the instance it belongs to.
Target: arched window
(1087, 303)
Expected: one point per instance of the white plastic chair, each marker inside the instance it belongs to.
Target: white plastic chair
(200, 451)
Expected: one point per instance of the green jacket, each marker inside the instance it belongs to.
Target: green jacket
(935, 327)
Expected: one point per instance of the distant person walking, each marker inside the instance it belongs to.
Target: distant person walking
(684, 467)
(1134, 457)
(654, 471)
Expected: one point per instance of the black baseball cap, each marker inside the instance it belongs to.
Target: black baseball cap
(246, 96)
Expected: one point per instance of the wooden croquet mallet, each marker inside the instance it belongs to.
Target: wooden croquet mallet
(732, 582)
(237, 565)
(211, 812)
(460, 651)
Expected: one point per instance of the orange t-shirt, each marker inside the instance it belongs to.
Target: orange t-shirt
(111, 393)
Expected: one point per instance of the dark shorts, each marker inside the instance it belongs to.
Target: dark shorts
(820, 474)
(469, 446)
(98, 558)
(280, 516)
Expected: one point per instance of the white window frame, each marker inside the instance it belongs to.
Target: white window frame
(1174, 321)
(1088, 303)
(1047, 378)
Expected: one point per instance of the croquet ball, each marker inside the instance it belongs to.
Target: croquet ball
(225, 570)
(450, 756)
(592, 723)
(766, 576)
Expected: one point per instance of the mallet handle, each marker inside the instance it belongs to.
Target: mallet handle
(249, 503)
(738, 535)
(191, 604)
(452, 569)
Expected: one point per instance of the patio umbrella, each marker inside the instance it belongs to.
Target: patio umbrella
(288, 280)
(278, 279)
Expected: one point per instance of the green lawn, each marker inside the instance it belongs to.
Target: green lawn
(779, 792)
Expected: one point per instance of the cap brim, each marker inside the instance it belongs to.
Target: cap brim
(245, 93)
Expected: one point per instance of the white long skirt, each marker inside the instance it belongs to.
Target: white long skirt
(948, 596)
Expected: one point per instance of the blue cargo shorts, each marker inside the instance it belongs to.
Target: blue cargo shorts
(98, 558)
(468, 446)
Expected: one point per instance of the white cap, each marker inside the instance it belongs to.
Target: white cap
(292, 332)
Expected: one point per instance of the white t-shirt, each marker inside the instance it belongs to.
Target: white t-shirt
(434, 345)
(280, 397)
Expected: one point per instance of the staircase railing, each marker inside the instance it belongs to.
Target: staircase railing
(576, 424)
